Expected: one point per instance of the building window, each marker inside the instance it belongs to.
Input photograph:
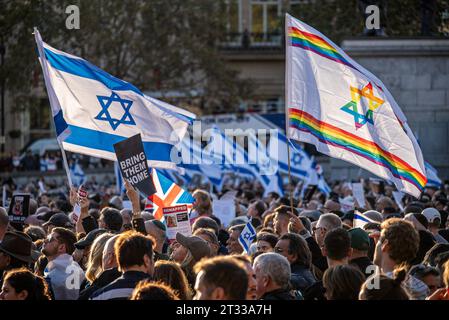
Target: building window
(266, 24)
(233, 21)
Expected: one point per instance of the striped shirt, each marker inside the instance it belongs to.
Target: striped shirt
(121, 288)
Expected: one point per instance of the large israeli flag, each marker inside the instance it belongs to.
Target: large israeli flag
(100, 110)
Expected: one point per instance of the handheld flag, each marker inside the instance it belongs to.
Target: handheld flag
(432, 176)
(100, 110)
(360, 220)
(168, 194)
(345, 111)
(247, 236)
(77, 173)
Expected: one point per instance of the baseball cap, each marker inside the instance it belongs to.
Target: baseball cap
(198, 247)
(59, 220)
(374, 215)
(159, 224)
(89, 238)
(431, 214)
(359, 239)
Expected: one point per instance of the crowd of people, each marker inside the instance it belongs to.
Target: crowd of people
(303, 250)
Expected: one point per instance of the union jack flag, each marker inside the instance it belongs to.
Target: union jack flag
(168, 194)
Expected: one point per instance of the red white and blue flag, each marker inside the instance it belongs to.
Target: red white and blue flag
(168, 194)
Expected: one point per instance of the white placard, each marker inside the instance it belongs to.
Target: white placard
(224, 210)
(177, 220)
(357, 192)
(398, 195)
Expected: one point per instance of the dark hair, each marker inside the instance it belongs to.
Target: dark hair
(95, 213)
(205, 222)
(260, 207)
(147, 290)
(388, 210)
(298, 246)
(283, 209)
(238, 228)
(372, 226)
(343, 282)
(337, 244)
(388, 289)
(23, 279)
(271, 238)
(432, 254)
(131, 247)
(35, 232)
(112, 219)
(421, 271)
(66, 237)
(171, 274)
(227, 273)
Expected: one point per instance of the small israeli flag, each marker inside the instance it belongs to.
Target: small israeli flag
(247, 236)
(360, 220)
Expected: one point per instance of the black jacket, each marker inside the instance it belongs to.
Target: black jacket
(363, 263)
(301, 277)
(279, 294)
(318, 260)
(105, 278)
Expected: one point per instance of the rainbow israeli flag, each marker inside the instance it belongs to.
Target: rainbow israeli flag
(344, 110)
(93, 110)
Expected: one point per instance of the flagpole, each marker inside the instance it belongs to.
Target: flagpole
(290, 176)
(66, 165)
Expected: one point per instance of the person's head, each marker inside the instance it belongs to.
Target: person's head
(268, 221)
(35, 233)
(221, 278)
(211, 238)
(381, 287)
(109, 260)
(398, 244)
(342, 282)
(331, 205)
(252, 285)
(325, 223)
(295, 249)
(360, 242)
(22, 284)
(282, 219)
(433, 217)
(171, 274)
(205, 222)
(94, 262)
(266, 242)
(203, 203)
(195, 248)
(110, 219)
(148, 290)
(57, 220)
(233, 244)
(4, 222)
(337, 247)
(60, 241)
(429, 275)
(383, 202)
(272, 273)
(432, 254)
(134, 252)
(127, 215)
(256, 209)
(15, 251)
(158, 231)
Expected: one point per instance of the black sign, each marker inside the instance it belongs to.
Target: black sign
(133, 164)
(19, 208)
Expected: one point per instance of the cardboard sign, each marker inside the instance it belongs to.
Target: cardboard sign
(224, 210)
(19, 208)
(177, 220)
(358, 193)
(133, 164)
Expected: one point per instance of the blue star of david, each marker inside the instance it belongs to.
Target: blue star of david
(104, 114)
(296, 159)
(247, 236)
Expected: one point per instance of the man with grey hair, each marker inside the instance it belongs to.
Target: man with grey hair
(4, 222)
(272, 277)
(326, 223)
(110, 270)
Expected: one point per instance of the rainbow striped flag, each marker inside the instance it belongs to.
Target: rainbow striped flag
(344, 110)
